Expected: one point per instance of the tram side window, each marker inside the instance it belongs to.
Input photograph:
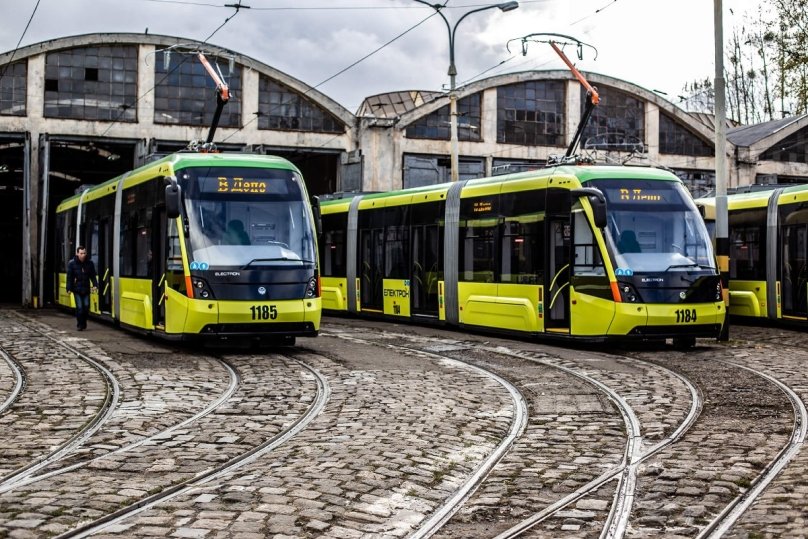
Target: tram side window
(395, 260)
(587, 259)
(144, 242)
(522, 237)
(175, 278)
(333, 246)
(174, 261)
(396, 243)
(136, 223)
(479, 222)
(128, 227)
(747, 239)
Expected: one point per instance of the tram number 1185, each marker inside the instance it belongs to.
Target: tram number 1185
(264, 312)
(685, 315)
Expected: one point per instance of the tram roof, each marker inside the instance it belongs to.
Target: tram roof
(181, 160)
(584, 173)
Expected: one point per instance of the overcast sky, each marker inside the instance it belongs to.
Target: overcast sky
(655, 44)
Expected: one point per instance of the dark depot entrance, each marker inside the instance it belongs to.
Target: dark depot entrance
(13, 149)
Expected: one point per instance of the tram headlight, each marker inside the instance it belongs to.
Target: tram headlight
(718, 292)
(628, 293)
(312, 288)
(201, 288)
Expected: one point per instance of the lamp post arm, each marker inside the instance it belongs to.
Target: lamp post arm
(437, 8)
(454, 30)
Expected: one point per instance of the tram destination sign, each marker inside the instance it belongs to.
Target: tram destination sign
(236, 185)
(643, 195)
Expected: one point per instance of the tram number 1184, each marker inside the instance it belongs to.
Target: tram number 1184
(264, 312)
(684, 316)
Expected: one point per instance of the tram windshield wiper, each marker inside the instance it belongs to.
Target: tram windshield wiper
(689, 265)
(278, 259)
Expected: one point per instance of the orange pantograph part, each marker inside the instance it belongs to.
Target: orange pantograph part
(578, 75)
(221, 87)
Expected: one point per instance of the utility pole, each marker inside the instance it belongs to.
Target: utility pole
(452, 31)
(721, 212)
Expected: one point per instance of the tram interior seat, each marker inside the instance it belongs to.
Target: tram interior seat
(628, 242)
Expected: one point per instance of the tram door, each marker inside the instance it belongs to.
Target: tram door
(557, 285)
(157, 265)
(794, 249)
(426, 250)
(104, 267)
(371, 269)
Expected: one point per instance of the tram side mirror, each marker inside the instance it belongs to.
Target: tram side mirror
(597, 201)
(318, 218)
(173, 198)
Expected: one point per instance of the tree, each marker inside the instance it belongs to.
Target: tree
(766, 69)
(793, 18)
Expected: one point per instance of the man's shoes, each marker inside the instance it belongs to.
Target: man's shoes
(80, 328)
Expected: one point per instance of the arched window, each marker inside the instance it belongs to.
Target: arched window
(13, 85)
(617, 123)
(92, 83)
(531, 113)
(436, 125)
(792, 149)
(675, 139)
(281, 108)
(185, 94)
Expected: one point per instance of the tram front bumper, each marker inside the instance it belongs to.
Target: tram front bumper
(657, 321)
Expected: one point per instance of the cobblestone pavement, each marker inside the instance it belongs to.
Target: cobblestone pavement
(402, 430)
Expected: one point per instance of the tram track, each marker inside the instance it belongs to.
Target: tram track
(443, 513)
(321, 397)
(91, 426)
(625, 474)
(735, 510)
(19, 380)
(234, 382)
(635, 453)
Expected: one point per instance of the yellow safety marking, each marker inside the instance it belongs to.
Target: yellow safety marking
(552, 302)
(557, 274)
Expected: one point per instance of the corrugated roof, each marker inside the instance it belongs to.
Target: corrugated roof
(748, 135)
(394, 104)
(709, 120)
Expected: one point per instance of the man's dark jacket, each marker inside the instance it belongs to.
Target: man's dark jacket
(79, 276)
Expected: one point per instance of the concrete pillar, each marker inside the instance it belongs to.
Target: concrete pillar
(572, 111)
(35, 103)
(652, 131)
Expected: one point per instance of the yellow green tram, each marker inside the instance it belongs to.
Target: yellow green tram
(573, 252)
(768, 265)
(199, 245)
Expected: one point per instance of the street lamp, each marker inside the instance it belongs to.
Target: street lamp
(505, 6)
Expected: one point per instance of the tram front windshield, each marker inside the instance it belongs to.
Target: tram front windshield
(246, 218)
(654, 226)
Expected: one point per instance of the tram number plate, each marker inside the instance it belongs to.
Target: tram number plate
(684, 316)
(264, 312)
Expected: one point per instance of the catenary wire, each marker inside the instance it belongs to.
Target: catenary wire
(168, 74)
(17, 47)
(338, 73)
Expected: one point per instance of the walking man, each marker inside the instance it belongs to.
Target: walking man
(80, 273)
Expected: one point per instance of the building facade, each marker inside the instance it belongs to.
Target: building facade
(83, 109)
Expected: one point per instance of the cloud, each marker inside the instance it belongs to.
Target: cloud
(656, 45)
